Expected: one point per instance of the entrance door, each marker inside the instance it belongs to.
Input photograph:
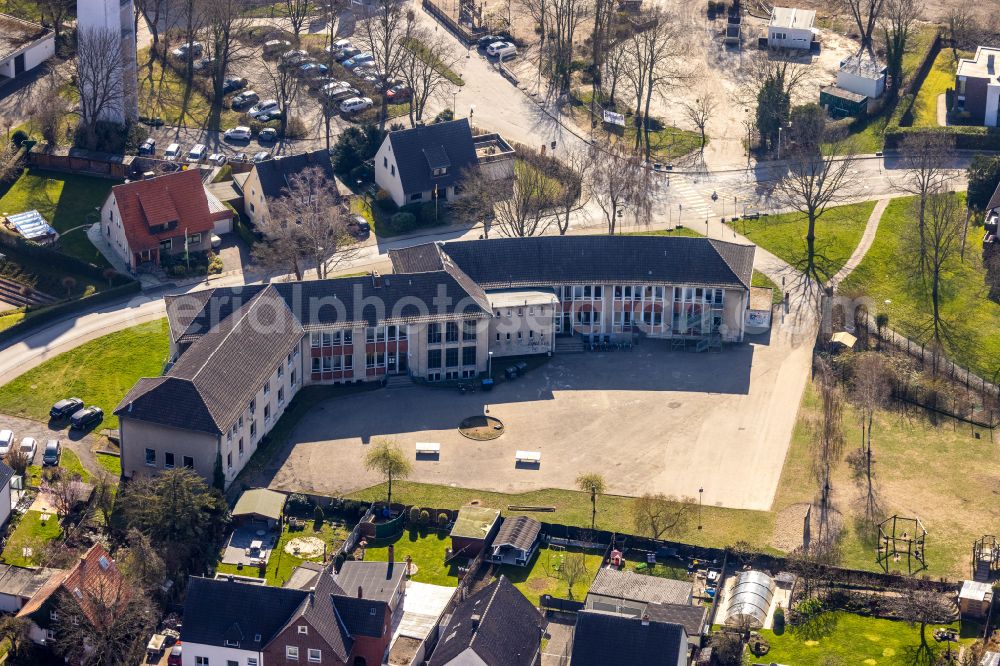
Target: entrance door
(567, 323)
(402, 369)
(18, 64)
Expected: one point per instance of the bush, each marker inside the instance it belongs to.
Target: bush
(384, 201)
(19, 137)
(779, 620)
(362, 172)
(295, 129)
(425, 516)
(428, 214)
(298, 503)
(215, 264)
(414, 515)
(403, 222)
(318, 514)
(178, 270)
(443, 519)
(805, 611)
(444, 116)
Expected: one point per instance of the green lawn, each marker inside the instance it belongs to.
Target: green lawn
(939, 79)
(10, 318)
(69, 462)
(67, 201)
(420, 49)
(427, 550)
(99, 372)
(113, 464)
(164, 94)
(888, 273)
(838, 232)
(31, 532)
(850, 639)
(542, 576)
(682, 231)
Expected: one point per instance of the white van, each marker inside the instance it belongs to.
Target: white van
(502, 50)
(197, 153)
(172, 152)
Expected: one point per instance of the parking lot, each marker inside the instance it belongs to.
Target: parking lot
(650, 420)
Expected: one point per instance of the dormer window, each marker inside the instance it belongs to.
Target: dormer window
(440, 171)
(232, 643)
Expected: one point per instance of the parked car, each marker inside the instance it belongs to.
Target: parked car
(335, 85)
(261, 157)
(268, 107)
(360, 227)
(245, 98)
(341, 94)
(197, 153)
(374, 76)
(358, 60)
(313, 69)
(398, 93)
(274, 46)
(67, 407)
(233, 84)
(294, 57)
(486, 40)
(240, 157)
(172, 152)
(86, 418)
(355, 104)
(241, 133)
(218, 159)
(175, 655)
(148, 147)
(501, 50)
(6, 440)
(346, 53)
(189, 50)
(50, 456)
(204, 65)
(339, 45)
(385, 84)
(268, 134)
(29, 446)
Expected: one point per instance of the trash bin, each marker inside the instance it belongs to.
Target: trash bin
(511, 372)
(487, 384)
(522, 367)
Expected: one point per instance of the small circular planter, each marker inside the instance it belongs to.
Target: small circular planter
(481, 428)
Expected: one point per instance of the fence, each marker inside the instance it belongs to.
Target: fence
(457, 28)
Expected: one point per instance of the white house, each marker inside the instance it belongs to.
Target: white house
(863, 75)
(791, 28)
(6, 505)
(269, 180)
(23, 46)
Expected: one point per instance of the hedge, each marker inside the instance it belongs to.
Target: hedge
(248, 236)
(35, 318)
(966, 137)
(56, 260)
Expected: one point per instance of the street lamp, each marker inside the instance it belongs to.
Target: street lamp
(489, 365)
(700, 491)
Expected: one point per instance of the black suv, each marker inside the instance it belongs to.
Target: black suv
(85, 418)
(65, 408)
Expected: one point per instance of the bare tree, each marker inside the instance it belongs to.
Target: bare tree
(49, 109)
(898, 19)
(600, 38)
(518, 206)
(944, 230)
(657, 514)
(306, 225)
(17, 460)
(961, 25)
(865, 14)
(922, 607)
(615, 63)
(573, 192)
(572, 569)
(153, 11)
(539, 12)
(870, 389)
(105, 491)
(925, 158)
(282, 83)
(424, 62)
(700, 112)
(55, 13)
(594, 484)
(99, 82)
(191, 13)
(225, 21)
(615, 181)
(297, 12)
(567, 15)
(815, 181)
(383, 31)
(67, 492)
(828, 446)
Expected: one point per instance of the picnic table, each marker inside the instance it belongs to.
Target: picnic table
(534, 457)
(428, 448)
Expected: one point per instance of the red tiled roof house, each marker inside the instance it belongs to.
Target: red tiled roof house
(147, 219)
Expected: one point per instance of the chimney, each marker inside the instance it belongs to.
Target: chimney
(645, 620)
(376, 279)
(360, 593)
(990, 61)
(475, 621)
(392, 552)
(312, 596)
(83, 567)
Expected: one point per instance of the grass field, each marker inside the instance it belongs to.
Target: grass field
(939, 79)
(100, 372)
(31, 532)
(427, 550)
(69, 462)
(8, 319)
(845, 639)
(542, 576)
(281, 564)
(113, 464)
(682, 231)
(164, 94)
(67, 201)
(838, 232)
(887, 273)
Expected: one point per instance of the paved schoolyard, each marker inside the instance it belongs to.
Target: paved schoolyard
(651, 420)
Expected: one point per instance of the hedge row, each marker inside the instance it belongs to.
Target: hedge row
(36, 318)
(966, 137)
(56, 260)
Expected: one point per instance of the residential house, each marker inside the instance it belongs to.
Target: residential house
(171, 214)
(270, 180)
(228, 621)
(977, 87)
(631, 593)
(473, 529)
(791, 28)
(427, 161)
(440, 316)
(23, 46)
(259, 507)
(94, 575)
(516, 542)
(609, 638)
(496, 626)
(19, 584)
(7, 478)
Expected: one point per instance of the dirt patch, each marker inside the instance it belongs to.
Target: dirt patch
(481, 428)
(537, 584)
(305, 547)
(789, 525)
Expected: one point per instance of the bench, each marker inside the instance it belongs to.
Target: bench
(428, 448)
(530, 457)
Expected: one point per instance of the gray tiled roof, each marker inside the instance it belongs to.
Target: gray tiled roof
(509, 631)
(640, 587)
(6, 473)
(214, 380)
(692, 618)
(419, 149)
(377, 580)
(994, 200)
(520, 532)
(275, 174)
(608, 638)
(547, 260)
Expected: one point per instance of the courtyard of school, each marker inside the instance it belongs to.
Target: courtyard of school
(650, 420)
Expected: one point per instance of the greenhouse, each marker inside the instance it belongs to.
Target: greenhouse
(750, 599)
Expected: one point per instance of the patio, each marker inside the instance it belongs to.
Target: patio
(249, 546)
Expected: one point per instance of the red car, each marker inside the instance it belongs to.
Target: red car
(175, 656)
(398, 93)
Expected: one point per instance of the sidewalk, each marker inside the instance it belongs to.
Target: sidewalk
(97, 238)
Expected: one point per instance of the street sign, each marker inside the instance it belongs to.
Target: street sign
(614, 118)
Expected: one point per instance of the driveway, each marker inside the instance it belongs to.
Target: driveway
(81, 445)
(650, 420)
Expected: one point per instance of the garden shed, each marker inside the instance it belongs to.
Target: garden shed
(975, 599)
(750, 599)
(839, 102)
(474, 528)
(517, 541)
(259, 507)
